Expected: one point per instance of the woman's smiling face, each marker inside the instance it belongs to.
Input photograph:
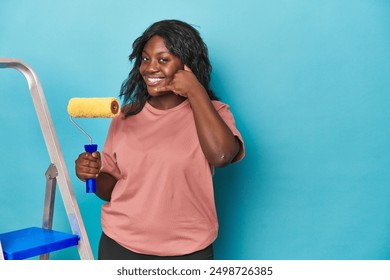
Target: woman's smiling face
(158, 65)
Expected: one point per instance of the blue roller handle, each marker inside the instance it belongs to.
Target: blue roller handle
(91, 182)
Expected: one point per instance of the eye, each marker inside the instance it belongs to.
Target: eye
(144, 58)
(163, 60)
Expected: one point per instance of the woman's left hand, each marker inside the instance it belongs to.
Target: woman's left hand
(184, 83)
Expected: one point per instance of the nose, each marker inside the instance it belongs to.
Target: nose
(151, 66)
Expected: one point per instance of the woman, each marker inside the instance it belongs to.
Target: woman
(156, 167)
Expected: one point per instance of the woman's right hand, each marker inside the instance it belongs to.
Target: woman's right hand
(88, 165)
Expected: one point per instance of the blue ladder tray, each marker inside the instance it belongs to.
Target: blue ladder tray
(29, 242)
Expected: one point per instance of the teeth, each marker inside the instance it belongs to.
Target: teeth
(154, 80)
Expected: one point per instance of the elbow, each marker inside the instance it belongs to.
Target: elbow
(220, 162)
(225, 155)
(223, 159)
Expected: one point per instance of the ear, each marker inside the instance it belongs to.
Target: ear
(186, 68)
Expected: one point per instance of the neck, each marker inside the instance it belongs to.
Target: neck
(166, 101)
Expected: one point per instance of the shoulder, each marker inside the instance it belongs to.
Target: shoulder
(118, 120)
(130, 109)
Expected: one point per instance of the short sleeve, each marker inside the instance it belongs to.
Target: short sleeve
(225, 113)
(108, 157)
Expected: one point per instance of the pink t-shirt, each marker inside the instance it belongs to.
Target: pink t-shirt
(163, 201)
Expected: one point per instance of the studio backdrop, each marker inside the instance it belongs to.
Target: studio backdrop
(307, 81)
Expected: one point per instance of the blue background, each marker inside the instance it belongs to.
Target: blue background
(307, 81)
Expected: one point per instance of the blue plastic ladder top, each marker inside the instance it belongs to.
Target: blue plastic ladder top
(34, 241)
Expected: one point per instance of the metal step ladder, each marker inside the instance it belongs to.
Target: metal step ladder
(40, 241)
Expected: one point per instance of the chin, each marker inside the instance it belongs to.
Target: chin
(155, 94)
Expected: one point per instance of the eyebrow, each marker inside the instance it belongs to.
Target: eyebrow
(163, 52)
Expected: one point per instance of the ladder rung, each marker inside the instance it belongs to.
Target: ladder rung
(29, 242)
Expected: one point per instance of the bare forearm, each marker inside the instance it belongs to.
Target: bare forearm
(218, 143)
(105, 184)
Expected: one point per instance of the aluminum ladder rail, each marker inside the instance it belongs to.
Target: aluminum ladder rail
(56, 158)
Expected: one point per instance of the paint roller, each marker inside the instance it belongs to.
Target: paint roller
(91, 107)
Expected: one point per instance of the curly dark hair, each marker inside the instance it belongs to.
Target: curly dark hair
(183, 41)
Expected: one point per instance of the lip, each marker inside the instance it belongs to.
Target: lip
(153, 81)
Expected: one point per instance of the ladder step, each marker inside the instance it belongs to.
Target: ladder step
(29, 242)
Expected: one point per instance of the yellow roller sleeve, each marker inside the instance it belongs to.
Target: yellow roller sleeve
(94, 107)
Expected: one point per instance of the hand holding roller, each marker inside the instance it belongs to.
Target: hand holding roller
(105, 107)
